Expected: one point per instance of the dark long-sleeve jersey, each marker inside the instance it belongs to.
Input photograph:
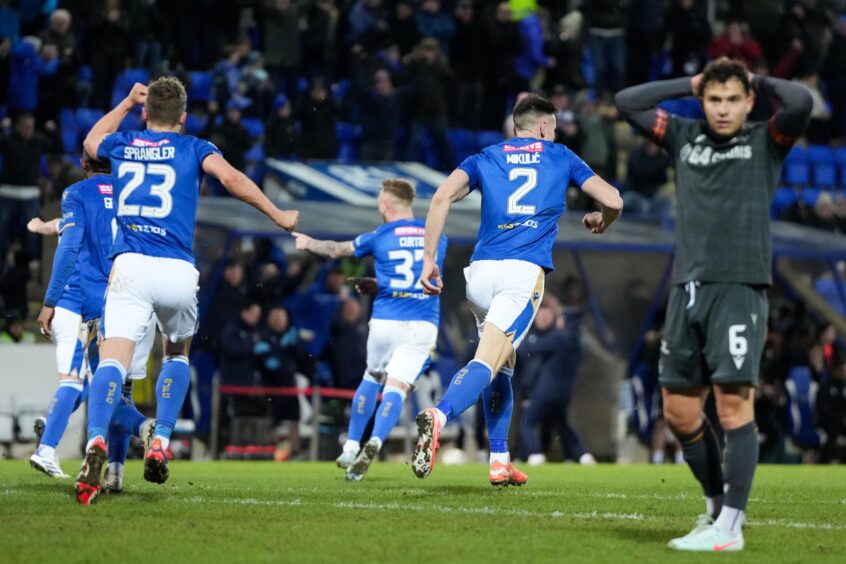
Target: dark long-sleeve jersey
(724, 187)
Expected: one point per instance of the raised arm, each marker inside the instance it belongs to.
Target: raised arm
(329, 249)
(454, 188)
(637, 104)
(610, 204)
(241, 187)
(110, 122)
(790, 120)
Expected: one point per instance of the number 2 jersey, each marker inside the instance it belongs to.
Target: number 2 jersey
(82, 264)
(524, 184)
(157, 186)
(397, 249)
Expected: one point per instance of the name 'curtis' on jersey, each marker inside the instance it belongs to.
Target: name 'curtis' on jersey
(524, 185)
(157, 185)
(397, 248)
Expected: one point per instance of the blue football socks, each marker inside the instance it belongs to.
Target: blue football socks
(465, 388)
(364, 403)
(389, 412)
(65, 402)
(171, 388)
(104, 397)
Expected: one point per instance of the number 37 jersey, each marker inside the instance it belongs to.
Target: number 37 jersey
(524, 183)
(397, 248)
(156, 188)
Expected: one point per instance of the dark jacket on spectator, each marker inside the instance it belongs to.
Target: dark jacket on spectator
(22, 157)
(237, 355)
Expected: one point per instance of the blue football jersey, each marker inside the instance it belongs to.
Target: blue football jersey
(397, 248)
(87, 229)
(524, 183)
(157, 185)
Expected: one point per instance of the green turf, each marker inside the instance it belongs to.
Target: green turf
(249, 512)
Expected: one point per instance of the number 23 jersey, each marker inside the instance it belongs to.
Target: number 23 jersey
(397, 249)
(156, 178)
(524, 184)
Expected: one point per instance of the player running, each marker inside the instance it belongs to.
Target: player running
(726, 174)
(523, 182)
(403, 326)
(156, 176)
(74, 301)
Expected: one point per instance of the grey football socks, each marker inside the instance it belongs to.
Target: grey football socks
(702, 453)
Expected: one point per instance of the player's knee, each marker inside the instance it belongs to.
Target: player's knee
(682, 419)
(375, 376)
(70, 378)
(735, 406)
(176, 349)
(399, 384)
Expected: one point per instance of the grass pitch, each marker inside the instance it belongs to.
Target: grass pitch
(300, 512)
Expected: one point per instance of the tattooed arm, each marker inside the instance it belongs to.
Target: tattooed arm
(330, 249)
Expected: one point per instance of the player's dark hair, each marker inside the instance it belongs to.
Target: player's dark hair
(530, 108)
(721, 71)
(97, 166)
(166, 101)
(399, 188)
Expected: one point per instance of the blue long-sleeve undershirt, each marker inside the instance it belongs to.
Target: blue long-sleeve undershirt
(64, 263)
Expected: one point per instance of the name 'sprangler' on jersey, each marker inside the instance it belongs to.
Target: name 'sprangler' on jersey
(87, 224)
(397, 248)
(524, 184)
(157, 187)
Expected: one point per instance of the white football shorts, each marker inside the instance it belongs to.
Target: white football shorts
(141, 287)
(400, 349)
(506, 294)
(71, 336)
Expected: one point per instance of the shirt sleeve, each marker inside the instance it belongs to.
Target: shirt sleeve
(71, 231)
(203, 149)
(104, 151)
(470, 165)
(579, 170)
(364, 244)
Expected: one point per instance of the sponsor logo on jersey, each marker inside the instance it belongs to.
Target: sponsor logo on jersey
(409, 231)
(138, 142)
(105, 189)
(699, 155)
(536, 147)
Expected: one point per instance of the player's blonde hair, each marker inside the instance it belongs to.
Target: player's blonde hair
(399, 188)
(166, 101)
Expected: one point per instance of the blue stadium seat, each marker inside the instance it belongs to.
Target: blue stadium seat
(131, 122)
(801, 394)
(820, 154)
(827, 288)
(825, 175)
(340, 89)
(485, 138)
(783, 199)
(194, 124)
(463, 143)
(125, 81)
(811, 195)
(86, 118)
(796, 174)
(797, 154)
(840, 155)
(200, 88)
(255, 154)
(69, 130)
(347, 132)
(255, 126)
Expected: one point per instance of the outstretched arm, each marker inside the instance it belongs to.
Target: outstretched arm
(40, 227)
(110, 122)
(610, 204)
(637, 104)
(241, 187)
(329, 249)
(455, 187)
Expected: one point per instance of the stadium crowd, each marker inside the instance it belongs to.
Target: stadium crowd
(394, 79)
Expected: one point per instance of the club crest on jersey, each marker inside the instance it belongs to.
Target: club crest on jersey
(105, 189)
(536, 147)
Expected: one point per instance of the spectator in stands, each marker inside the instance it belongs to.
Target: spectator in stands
(53, 88)
(21, 151)
(30, 61)
(596, 126)
(315, 311)
(239, 341)
(564, 46)
(9, 35)
(811, 24)
(61, 173)
(223, 310)
(227, 72)
(831, 416)
(145, 24)
(468, 51)
(605, 21)
(430, 80)
(230, 135)
(368, 24)
(433, 22)
(14, 276)
(317, 115)
(567, 129)
(282, 43)
(403, 26)
(819, 128)
(14, 332)
(381, 110)
(278, 355)
(109, 28)
(736, 43)
(318, 38)
(531, 61)
(644, 39)
(503, 44)
(280, 132)
(824, 217)
(800, 211)
(834, 72)
(348, 345)
(556, 340)
(647, 174)
(687, 25)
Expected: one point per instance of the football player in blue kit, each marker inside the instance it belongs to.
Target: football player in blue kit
(403, 325)
(74, 301)
(156, 175)
(523, 182)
